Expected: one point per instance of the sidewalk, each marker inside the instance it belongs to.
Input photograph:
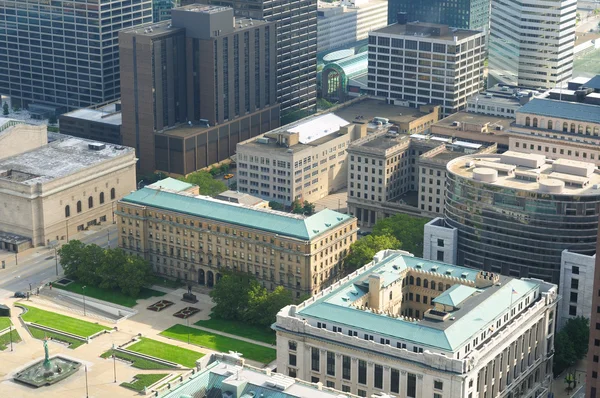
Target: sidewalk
(559, 387)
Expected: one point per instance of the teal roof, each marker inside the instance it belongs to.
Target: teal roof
(478, 312)
(351, 66)
(562, 109)
(172, 184)
(296, 226)
(455, 295)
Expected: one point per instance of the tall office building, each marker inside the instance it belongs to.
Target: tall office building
(161, 9)
(412, 64)
(296, 45)
(64, 54)
(545, 59)
(462, 14)
(195, 86)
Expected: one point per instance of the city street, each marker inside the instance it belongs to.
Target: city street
(37, 266)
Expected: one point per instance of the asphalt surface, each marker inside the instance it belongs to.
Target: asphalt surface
(38, 266)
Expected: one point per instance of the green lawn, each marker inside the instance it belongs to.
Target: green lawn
(137, 362)
(167, 352)
(5, 339)
(144, 380)
(252, 332)
(113, 296)
(164, 282)
(61, 322)
(4, 322)
(42, 334)
(221, 343)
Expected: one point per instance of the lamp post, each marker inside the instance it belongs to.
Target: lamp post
(10, 334)
(86, 384)
(83, 293)
(56, 260)
(16, 259)
(108, 238)
(187, 320)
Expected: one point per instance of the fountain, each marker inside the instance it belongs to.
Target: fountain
(48, 371)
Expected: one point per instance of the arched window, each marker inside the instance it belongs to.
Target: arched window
(432, 285)
(596, 131)
(580, 129)
(535, 122)
(90, 202)
(418, 281)
(565, 127)
(588, 130)
(411, 280)
(441, 287)
(112, 193)
(426, 283)
(527, 121)
(79, 206)
(67, 211)
(549, 124)
(572, 127)
(101, 197)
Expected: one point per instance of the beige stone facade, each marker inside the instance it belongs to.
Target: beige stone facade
(198, 246)
(58, 189)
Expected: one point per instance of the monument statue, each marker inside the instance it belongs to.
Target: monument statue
(47, 364)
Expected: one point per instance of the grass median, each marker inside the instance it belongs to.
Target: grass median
(242, 329)
(60, 322)
(144, 380)
(221, 343)
(110, 295)
(137, 362)
(165, 351)
(41, 334)
(5, 339)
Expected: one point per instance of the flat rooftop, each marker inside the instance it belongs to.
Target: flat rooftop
(240, 197)
(107, 114)
(404, 30)
(519, 171)
(370, 108)
(285, 224)
(217, 378)
(153, 29)
(474, 118)
(62, 156)
(562, 109)
(479, 307)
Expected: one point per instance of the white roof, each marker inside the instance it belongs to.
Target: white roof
(318, 127)
(467, 144)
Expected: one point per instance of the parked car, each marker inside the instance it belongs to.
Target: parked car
(20, 295)
(228, 176)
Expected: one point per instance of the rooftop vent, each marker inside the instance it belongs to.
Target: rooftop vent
(464, 275)
(449, 271)
(434, 268)
(419, 265)
(96, 146)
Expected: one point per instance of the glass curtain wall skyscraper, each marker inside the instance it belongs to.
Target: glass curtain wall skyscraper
(64, 53)
(462, 14)
(531, 43)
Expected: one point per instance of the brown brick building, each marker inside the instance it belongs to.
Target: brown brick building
(195, 86)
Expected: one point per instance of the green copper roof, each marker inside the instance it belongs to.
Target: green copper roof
(455, 295)
(285, 224)
(172, 184)
(478, 311)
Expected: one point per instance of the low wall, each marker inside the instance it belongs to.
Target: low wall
(117, 310)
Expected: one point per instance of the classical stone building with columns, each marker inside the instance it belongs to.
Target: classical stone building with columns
(411, 327)
(53, 185)
(197, 238)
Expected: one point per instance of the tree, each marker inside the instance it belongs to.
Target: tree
(271, 304)
(578, 332)
(72, 257)
(406, 229)
(276, 205)
(564, 353)
(110, 269)
(5, 108)
(231, 295)
(135, 274)
(363, 250)
(206, 182)
(308, 208)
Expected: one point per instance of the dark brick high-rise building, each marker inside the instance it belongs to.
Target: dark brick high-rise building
(195, 86)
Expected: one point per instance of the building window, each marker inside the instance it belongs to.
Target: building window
(573, 310)
(292, 345)
(90, 202)
(535, 122)
(438, 385)
(292, 372)
(330, 384)
(549, 124)
(292, 359)
(395, 381)
(573, 297)
(440, 256)
(330, 363)
(79, 206)
(315, 359)
(575, 284)
(440, 242)
(101, 197)
(362, 372)
(346, 368)
(575, 270)
(411, 385)
(378, 375)
(112, 193)
(527, 121)
(67, 211)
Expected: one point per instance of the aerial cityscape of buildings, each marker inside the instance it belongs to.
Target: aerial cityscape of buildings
(300, 199)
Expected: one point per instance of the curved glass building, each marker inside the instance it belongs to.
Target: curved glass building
(515, 213)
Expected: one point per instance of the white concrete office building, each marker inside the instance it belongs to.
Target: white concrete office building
(576, 286)
(343, 23)
(545, 58)
(416, 328)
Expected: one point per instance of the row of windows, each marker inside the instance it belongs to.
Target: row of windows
(566, 127)
(90, 202)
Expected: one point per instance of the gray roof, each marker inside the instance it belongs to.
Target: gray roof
(594, 82)
(562, 109)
